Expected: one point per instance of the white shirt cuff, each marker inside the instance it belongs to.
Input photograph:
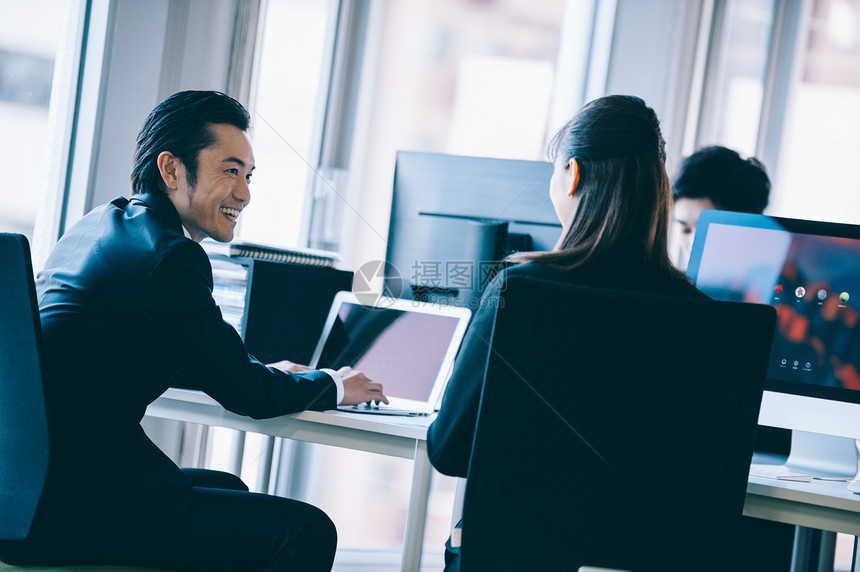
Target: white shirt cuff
(338, 382)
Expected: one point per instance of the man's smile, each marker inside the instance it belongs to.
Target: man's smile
(231, 213)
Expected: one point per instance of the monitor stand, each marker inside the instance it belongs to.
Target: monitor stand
(825, 457)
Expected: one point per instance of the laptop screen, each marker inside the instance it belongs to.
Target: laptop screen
(406, 346)
(810, 271)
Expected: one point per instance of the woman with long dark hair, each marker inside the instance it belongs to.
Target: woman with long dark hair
(611, 194)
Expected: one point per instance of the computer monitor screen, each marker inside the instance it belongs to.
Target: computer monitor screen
(810, 272)
(813, 280)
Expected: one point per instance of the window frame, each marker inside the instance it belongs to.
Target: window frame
(783, 64)
(65, 129)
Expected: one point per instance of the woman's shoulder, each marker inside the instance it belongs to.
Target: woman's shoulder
(681, 286)
(535, 270)
(611, 277)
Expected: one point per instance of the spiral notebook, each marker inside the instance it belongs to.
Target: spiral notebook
(304, 256)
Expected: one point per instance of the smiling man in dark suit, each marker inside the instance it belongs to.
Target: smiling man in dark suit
(127, 311)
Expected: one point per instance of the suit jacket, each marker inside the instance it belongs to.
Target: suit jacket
(449, 438)
(127, 311)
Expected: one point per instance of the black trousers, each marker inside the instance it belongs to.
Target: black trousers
(226, 528)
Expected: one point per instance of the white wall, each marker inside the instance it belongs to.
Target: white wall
(662, 34)
(130, 90)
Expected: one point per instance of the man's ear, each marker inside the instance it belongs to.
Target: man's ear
(168, 166)
(573, 176)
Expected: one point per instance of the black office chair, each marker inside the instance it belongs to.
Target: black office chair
(23, 426)
(615, 431)
(24, 441)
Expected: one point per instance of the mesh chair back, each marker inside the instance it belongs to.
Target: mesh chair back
(615, 430)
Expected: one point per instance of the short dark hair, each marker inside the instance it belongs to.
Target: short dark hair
(623, 187)
(181, 125)
(731, 182)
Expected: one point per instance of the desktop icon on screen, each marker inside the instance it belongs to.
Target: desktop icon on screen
(800, 292)
(822, 294)
(777, 289)
(843, 297)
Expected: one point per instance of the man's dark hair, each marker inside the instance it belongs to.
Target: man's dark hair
(721, 175)
(181, 125)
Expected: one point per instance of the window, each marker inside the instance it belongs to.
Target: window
(733, 96)
(736, 75)
(290, 86)
(818, 168)
(452, 76)
(465, 78)
(27, 54)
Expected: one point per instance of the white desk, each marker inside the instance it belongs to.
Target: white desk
(824, 505)
(404, 437)
(819, 505)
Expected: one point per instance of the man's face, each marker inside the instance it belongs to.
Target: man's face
(686, 214)
(212, 206)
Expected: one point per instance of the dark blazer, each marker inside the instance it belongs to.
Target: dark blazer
(127, 311)
(449, 439)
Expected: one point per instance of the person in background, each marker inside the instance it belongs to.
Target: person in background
(719, 178)
(715, 178)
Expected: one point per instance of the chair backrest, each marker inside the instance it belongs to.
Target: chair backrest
(615, 430)
(23, 425)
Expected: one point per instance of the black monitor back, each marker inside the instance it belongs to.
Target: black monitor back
(283, 306)
(451, 213)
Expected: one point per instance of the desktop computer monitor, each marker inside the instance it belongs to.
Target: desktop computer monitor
(454, 217)
(810, 272)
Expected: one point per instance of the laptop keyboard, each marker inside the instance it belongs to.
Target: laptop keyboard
(380, 410)
(780, 472)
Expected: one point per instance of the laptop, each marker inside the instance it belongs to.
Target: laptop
(407, 346)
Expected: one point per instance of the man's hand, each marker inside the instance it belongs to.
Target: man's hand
(286, 365)
(357, 388)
